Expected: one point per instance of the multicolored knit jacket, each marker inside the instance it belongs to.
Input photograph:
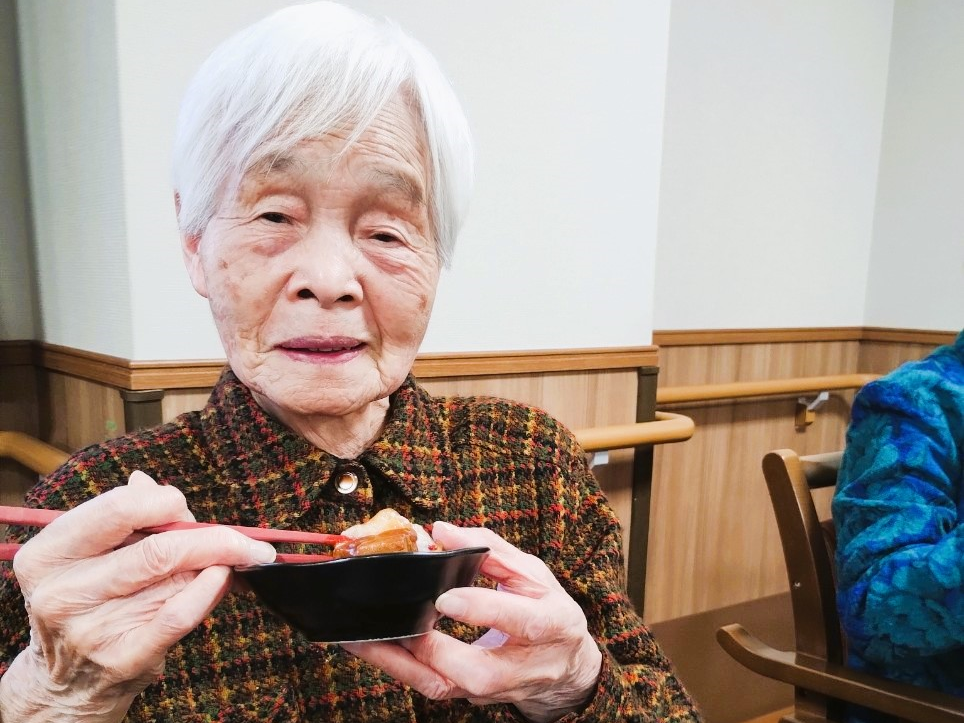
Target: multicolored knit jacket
(900, 532)
(470, 461)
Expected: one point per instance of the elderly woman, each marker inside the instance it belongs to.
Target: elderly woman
(322, 168)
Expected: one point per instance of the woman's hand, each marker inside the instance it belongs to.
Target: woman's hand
(538, 654)
(104, 606)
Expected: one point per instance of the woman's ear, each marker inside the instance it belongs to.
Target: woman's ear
(191, 251)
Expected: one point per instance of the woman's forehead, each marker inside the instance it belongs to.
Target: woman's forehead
(316, 164)
(390, 152)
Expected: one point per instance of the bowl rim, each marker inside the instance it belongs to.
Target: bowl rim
(431, 554)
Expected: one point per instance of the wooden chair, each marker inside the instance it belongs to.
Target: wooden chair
(822, 683)
(33, 454)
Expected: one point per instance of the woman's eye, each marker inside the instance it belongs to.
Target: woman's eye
(385, 237)
(274, 217)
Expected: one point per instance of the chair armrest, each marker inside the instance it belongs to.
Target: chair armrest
(910, 702)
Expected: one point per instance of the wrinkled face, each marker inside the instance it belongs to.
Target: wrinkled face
(322, 271)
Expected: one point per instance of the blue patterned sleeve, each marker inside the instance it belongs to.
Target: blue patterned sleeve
(900, 549)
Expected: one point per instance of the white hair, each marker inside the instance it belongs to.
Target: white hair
(301, 73)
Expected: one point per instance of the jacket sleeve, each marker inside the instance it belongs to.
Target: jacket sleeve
(900, 547)
(638, 682)
(14, 630)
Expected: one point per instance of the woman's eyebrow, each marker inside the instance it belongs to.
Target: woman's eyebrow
(395, 180)
(280, 164)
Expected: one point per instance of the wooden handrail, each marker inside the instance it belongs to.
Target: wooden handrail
(767, 388)
(667, 427)
(34, 454)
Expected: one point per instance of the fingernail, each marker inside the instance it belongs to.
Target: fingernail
(451, 605)
(262, 552)
(440, 525)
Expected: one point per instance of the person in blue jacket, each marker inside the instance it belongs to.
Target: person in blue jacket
(898, 511)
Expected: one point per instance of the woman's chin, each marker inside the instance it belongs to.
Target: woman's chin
(320, 389)
(327, 402)
(317, 395)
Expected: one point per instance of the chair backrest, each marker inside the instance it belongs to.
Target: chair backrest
(807, 547)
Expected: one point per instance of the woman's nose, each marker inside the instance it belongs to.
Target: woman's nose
(327, 270)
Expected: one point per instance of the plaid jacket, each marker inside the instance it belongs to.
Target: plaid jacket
(470, 461)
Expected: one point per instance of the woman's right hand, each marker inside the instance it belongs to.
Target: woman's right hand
(104, 610)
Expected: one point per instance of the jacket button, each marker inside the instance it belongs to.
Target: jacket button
(347, 482)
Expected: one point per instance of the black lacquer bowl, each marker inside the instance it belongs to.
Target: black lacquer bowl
(372, 597)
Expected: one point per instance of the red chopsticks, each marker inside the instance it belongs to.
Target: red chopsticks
(29, 517)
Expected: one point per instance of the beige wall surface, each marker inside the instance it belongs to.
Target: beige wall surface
(917, 260)
(779, 170)
(18, 295)
(770, 156)
(812, 165)
(565, 147)
(68, 61)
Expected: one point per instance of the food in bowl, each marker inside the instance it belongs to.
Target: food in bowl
(378, 590)
(387, 531)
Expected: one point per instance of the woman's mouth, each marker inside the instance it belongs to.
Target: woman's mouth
(322, 350)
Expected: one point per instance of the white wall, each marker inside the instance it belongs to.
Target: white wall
(559, 248)
(917, 261)
(18, 319)
(771, 150)
(68, 64)
(763, 182)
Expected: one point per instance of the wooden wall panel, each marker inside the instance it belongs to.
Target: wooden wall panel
(65, 411)
(713, 485)
(577, 399)
(79, 412)
(719, 363)
(879, 357)
(19, 412)
(711, 515)
(178, 401)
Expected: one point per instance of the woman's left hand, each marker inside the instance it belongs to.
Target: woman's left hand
(538, 654)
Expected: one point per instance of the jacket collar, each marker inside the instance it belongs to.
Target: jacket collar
(282, 475)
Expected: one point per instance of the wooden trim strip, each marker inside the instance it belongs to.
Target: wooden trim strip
(129, 375)
(909, 336)
(666, 428)
(203, 373)
(767, 388)
(91, 366)
(193, 374)
(476, 364)
(712, 337)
